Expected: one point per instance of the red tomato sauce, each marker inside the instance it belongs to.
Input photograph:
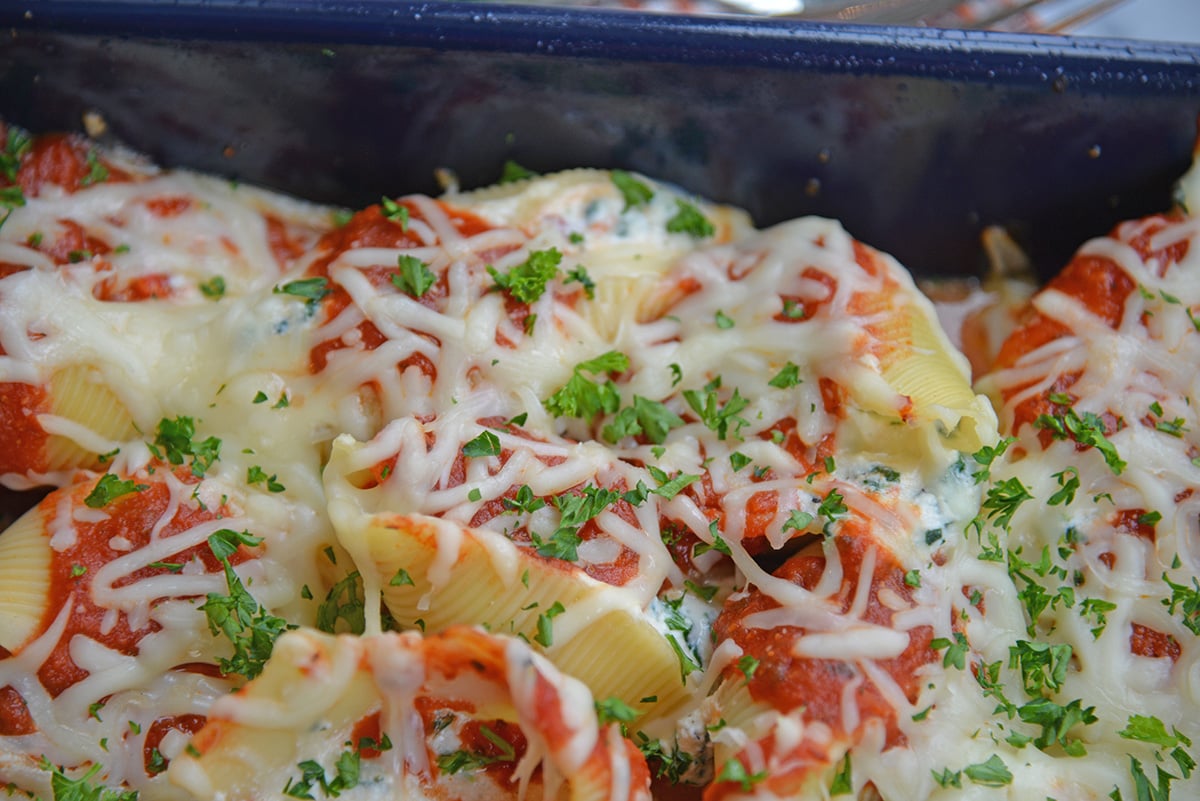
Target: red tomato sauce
(15, 719)
(1145, 641)
(73, 244)
(369, 228)
(188, 724)
(786, 682)
(72, 570)
(62, 160)
(155, 286)
(24, 440)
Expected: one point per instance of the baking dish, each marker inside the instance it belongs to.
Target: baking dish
(915, 138)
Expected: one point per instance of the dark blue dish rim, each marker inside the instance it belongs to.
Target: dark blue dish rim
(632, 36)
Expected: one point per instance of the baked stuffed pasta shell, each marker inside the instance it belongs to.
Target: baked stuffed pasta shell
(101, 252)
(457, 714)
(1092, 511)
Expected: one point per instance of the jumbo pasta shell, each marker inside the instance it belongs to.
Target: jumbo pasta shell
(25, 557)
(598, 636)
(79, 395)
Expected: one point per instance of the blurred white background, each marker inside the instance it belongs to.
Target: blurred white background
(1166, 20)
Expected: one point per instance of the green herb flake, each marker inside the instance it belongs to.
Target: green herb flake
(584, 398)
(651, 418)
(512, 172)
(689, 220)
(614, 710)
(545, 629)
(734, 771)
(414, 277)
(213, 288)
(991, 773)
(716, 416)
(527, 281)
(256, 475)
(109, 488)
(956, 650)
(842, 783)
(486, 444)
(580, 276)
(309, 289)
(1086, 429)
(394, 212)
(633, 191)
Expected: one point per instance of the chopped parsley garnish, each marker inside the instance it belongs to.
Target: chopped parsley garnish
(1043, 666)
(458, 761)
(310, 289)
(669, 487)
(735, 771)
(718, 417)
(238, 616)
(225, 542)
(527, 281)
(723, 321)
(414, 276)
(738, 460)
(394, 212)
(1004, 499)
(401, 579)
(1056, 722)
(81, 789)
(512, 172)
(97, 172)
(312, 776)
(668, 764)
(486, 444)
(988, 454)
(842, 783)
(648, 417)
(524, 501)
(1186, 599)
(747, 665)
(956, 650)
(991, 773)
(175, 439)
(788, 376)
(1149, 729)
(797, 521)
(562, 544)
(109, 488)
(1068, 482)
(718, 544)
(545, 629)
(689, 220)
(574, 510)
(213, 288)
(585, 398)
(1087, 429)
(18, 144)
(11, 197)
(634, 192)
(614, 710)
(352, 610)
(832, 506)
(256, 475)
(580, 275)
